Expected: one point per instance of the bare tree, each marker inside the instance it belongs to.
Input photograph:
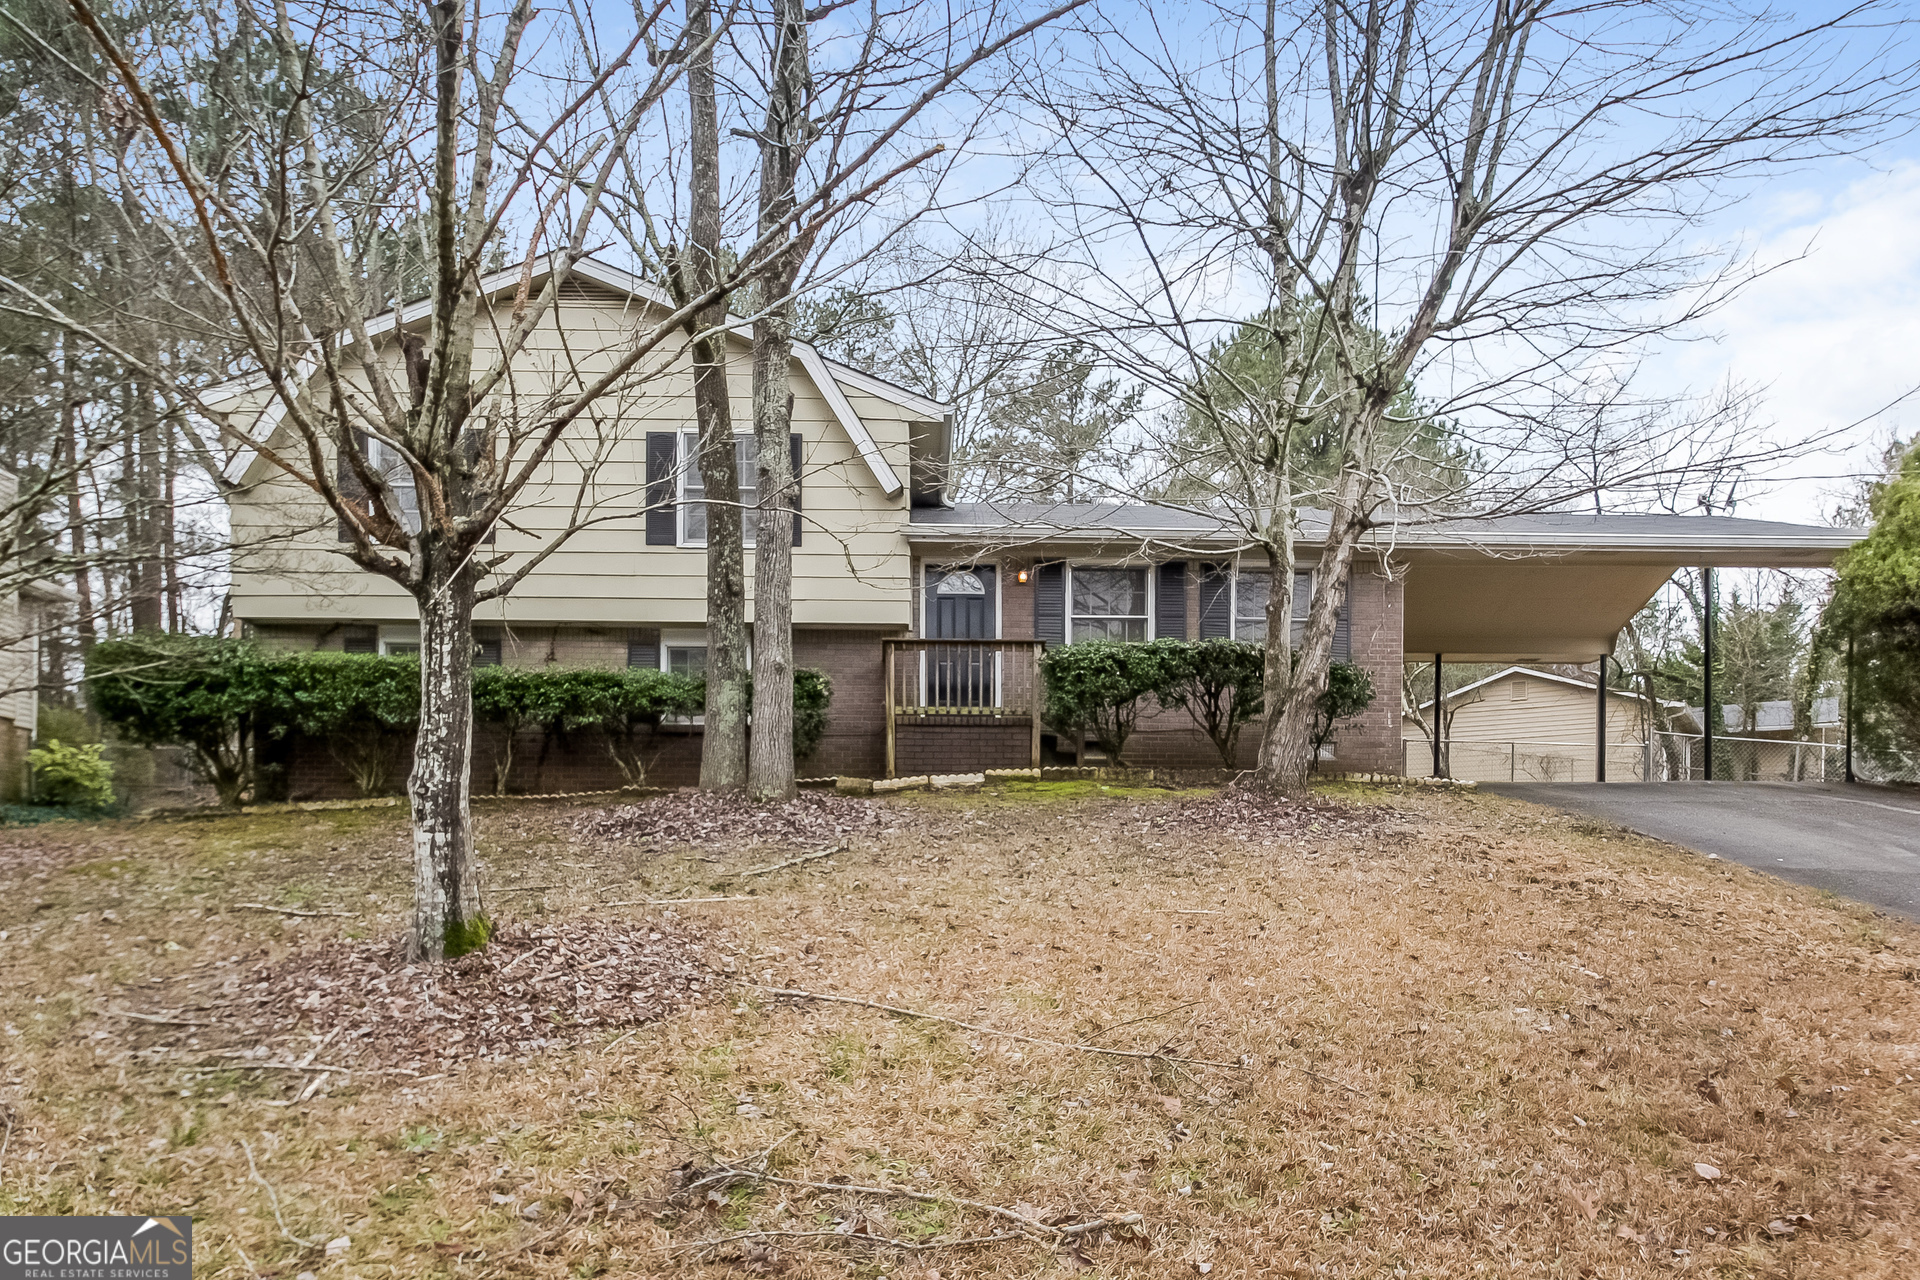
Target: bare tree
(723, 748)
(1451, 213)
(818, 137)
(396, 135)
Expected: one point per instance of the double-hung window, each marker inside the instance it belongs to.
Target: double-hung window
(693, 490)
(387, 463)
(686, 660)
(1252, 588)
(1108, 602)
(1252, 591)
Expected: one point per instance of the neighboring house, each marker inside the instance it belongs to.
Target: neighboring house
(22, 621)
(1771, 749)
(1523, 725)
(930, 617)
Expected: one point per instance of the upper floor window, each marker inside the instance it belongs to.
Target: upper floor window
(1108, 602)
(693, 489)
(387, 463)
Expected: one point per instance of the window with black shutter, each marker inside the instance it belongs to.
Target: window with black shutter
(663, 524)
(1170, 601)
(1050, 602)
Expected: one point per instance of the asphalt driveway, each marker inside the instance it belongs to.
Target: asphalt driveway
(1860, 842)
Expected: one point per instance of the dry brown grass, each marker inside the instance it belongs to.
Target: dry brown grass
(1545, 1026)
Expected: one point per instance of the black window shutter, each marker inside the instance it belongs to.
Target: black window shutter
(360, 640)
(793, 453)
(486, 650)
(351, 489)
(643, 648)
(1050, 602)
(1216, 601)
(1170, 602)
(662, 448)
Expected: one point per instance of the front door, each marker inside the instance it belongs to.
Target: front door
(960, 603)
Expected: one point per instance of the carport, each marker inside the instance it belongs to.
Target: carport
(1561, 587)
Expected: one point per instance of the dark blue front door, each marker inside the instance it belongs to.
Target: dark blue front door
(960, 607)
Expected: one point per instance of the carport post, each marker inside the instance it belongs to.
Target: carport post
(1600, 727)
(1439, 716)
(1708, 713)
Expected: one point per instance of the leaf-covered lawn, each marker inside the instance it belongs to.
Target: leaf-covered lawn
(1461, 1037)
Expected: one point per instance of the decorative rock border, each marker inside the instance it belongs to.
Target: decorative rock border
(1397, 780)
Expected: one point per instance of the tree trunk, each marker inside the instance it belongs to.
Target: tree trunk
(783, 142)
(1286, 744)
(723, 749)
(770, 772)
(76, 517)
(447, 918)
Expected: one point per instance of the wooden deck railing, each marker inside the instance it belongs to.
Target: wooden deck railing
(987, 678)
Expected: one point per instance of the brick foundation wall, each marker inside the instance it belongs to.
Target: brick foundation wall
(855, 743)
(963, 744)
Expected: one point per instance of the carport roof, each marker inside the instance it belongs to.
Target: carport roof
(1723, 541)
(1555, 587)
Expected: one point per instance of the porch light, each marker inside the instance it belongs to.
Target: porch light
(1021, 577)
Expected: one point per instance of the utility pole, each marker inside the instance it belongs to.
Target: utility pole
(1848, 690)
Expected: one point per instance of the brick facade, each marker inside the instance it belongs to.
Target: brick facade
(1376, 612)
(855, 739)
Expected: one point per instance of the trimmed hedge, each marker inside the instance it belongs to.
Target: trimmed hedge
(223, 699)
(1099, 687)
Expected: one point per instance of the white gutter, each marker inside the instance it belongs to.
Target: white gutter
(882, 471)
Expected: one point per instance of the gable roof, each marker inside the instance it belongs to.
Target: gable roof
(1533, 673)
(826, 375)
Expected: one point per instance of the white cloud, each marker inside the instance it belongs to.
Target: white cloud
(1832, 335)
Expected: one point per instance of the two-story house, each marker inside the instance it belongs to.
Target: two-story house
(929, 615)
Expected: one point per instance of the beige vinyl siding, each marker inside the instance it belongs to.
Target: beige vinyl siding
(852, 567)
(1547, 736)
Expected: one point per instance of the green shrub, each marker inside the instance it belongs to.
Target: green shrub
(1096, 687)
(32, 815)
(72, 776)
(211, 695)
(1220, 683)
(1349, 692)
(812, 694)
(223, 699)
(362, 705)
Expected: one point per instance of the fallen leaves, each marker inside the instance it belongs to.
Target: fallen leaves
(535, 986)
(1252, 815)
(1706, 1171)
(811, 819)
